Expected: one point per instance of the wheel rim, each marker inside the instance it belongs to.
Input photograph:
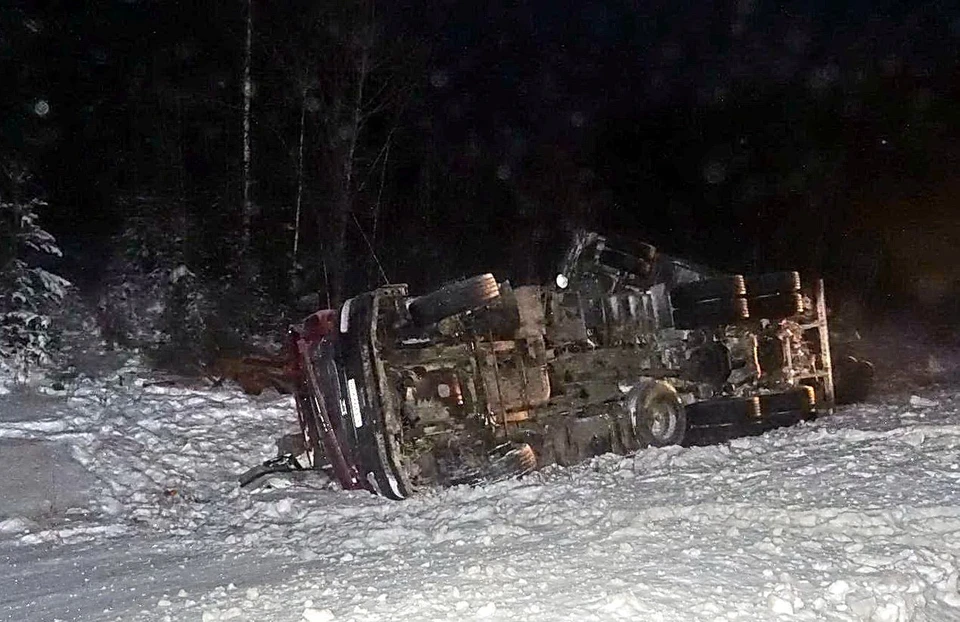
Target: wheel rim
(662, 422)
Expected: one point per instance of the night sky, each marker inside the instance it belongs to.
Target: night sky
(754, 135)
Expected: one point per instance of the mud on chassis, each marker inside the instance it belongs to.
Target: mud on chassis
(481, 380)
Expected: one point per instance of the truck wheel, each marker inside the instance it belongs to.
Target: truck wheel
(853, 379)
(629, 246)
(799, 400)
(724, 411)
(773, 283)
(787, 408)
(711, 435)
(507, 461)
(775, 295)
(624, 262)
(687, 294)
(776, 307)
(711, 313)
(454, 298)
(657, 415)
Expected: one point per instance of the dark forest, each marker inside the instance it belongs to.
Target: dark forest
(263, 151)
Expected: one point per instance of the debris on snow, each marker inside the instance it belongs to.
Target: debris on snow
(922, 402)
(16, 525)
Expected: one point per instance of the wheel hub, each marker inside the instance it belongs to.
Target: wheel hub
(663, 422)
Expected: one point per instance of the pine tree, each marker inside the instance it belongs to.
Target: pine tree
(28, 292)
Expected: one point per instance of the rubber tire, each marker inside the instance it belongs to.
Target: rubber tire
(711, 313)
(458, 297)
(643, 405)
(520, 460)
(709, 289)
(776, 307)
(556, 445)
(780, 420)
(624, 262)
(711, 435)
(772, 283)
(799, 400)
(852, 379)
(628, 246)
(735, 411)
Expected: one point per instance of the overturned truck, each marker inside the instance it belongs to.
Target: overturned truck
(478, 380)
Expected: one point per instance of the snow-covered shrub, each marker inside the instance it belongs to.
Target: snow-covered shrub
(150, 298)
(28, 292)
(184, 323)
(165, 292)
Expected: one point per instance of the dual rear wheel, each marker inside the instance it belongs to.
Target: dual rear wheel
(718, 420)
(731, 299)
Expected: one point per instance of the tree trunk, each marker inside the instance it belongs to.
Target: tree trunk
(294, 269)
(247, 213)
(338, 246)
(343, 203)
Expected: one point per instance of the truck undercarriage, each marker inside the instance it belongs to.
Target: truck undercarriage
(479, 380)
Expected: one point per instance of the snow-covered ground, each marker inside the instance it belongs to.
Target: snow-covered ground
(119, 501)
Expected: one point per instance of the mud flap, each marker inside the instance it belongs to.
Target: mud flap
(286, 463)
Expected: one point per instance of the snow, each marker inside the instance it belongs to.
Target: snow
(40, 479)
(119, 502)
